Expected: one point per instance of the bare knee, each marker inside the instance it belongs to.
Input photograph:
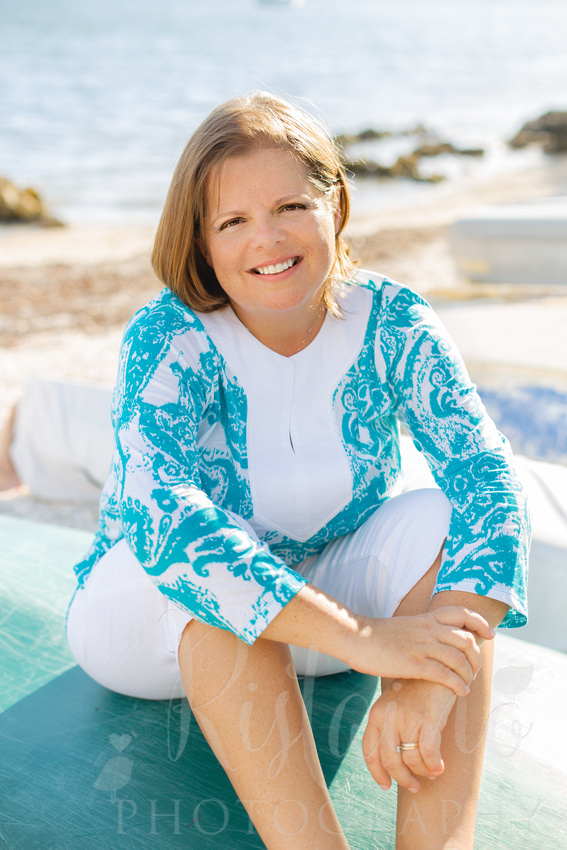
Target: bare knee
(215, 664)
(418, 600)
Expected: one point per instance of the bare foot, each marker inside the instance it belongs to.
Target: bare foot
(8, 476)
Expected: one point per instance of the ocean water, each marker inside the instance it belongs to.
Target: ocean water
(97, 99)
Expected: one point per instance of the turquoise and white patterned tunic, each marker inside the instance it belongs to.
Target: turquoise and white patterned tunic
(213, 428)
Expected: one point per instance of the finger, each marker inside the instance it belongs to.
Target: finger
(377, 770)
(425, 761)
(456, 649)
(391, 759)
(455, 659)
(371, 755)
(412, 757)
(414, 761)
(397, 769)
(435, 671)
(430, 750)
(466, 643)
(464, 618)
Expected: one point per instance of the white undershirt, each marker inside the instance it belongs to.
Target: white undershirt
(299, 472)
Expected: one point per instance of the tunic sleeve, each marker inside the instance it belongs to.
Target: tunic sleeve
(199, 555)
(486, 551)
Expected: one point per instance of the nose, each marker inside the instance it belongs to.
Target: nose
(268, 232)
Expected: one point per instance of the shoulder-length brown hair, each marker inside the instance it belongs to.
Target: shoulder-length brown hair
(234, 128)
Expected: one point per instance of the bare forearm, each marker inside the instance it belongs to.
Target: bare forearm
(314, 619)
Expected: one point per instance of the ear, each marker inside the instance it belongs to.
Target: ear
(203, 249)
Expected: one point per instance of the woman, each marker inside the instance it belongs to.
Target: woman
(252, 499)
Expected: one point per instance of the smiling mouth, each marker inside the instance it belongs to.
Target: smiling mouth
(280, 267)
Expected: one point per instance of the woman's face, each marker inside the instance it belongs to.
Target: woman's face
(269, 234)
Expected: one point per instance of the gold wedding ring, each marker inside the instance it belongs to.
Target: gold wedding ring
(408, 746)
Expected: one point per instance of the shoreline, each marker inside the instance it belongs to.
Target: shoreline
(376, 204)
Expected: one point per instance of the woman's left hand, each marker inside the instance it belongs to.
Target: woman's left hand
(408, 711)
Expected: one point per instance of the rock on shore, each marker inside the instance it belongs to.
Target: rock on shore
(550, 131)
(405, 165)
(23, 205)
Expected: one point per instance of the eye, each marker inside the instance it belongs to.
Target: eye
(230, 223)
(292, 207)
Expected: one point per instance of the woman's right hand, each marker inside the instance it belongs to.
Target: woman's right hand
(439, 646)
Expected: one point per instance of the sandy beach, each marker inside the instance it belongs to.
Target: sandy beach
(66, 294)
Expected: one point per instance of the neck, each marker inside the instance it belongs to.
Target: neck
(286, 335)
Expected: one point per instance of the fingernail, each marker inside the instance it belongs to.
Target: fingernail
(467, 690)
(385, 787)
(413, 790)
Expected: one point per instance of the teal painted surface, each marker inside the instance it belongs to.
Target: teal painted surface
(37, 582)
(81, 767)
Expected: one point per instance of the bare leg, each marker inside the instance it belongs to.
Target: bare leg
(248, 704)
(442, 814)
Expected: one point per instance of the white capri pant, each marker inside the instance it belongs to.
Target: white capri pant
(125, 634)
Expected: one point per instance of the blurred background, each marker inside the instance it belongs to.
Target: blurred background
(98, 99)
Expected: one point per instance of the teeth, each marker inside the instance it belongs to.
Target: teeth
(281, 267)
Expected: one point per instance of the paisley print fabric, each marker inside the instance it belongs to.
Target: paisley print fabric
(179, 490)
